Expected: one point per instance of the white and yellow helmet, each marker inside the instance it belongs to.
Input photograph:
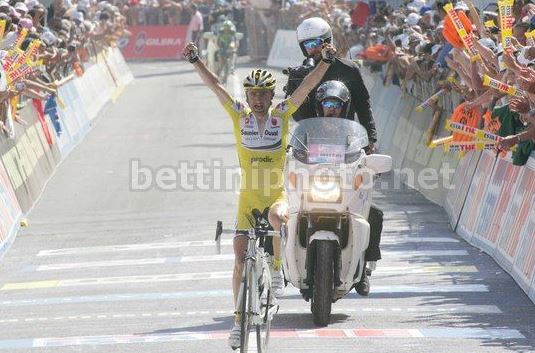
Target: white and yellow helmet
(259, 79)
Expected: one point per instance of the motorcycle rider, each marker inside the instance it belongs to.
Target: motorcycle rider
(311, 34)
(261, 134)
(334, 101)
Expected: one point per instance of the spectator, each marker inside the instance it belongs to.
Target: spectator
(195, 26)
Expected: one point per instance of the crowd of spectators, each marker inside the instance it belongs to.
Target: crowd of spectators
(417, 42)
(181, 12)
(43, 47)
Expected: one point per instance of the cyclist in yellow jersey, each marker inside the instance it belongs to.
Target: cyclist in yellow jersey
(261, 134)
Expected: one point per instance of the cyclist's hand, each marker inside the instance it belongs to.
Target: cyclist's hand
(191, 51)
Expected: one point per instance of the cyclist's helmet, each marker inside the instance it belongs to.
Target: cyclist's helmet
(334, 90)
(313, 28)
(259, 79)
(228, 26)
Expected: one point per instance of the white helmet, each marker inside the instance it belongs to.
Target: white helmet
(313, 28)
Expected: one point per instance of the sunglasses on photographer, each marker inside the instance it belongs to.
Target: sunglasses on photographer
(313, 43)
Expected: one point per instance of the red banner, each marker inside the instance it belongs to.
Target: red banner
(155, 42)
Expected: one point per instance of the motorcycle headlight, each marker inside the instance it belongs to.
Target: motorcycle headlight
(325, 190)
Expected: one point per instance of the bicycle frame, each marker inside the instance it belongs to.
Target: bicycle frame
(255, 286)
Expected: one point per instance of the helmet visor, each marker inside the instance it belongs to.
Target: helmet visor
(312, 43)
(331, 103)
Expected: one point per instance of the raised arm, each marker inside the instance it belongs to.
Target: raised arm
(208, 77)
(314, 77)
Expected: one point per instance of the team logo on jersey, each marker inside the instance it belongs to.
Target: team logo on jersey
(274, 122)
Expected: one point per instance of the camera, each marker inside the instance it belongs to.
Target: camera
(297, 74)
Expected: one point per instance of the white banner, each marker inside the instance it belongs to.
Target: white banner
(285, 51)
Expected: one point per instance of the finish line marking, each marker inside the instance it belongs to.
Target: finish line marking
(457, 333)
(430, 310)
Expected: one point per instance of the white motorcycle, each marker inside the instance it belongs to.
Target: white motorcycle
(329, 182)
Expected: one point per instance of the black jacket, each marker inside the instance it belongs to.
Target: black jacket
(347, 72)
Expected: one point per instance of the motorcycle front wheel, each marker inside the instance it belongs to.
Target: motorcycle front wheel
(322, 293)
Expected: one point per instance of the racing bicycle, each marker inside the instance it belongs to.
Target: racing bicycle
(256, 305)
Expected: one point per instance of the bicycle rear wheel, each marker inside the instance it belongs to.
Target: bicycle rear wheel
(245, 307)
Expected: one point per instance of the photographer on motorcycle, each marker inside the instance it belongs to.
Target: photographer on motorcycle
(333, 100)
(311, 34)
(261, 133)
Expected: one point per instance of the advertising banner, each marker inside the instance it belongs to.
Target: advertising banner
(29, 160)
(9, 209)
(495, 204)
(461, 182)
(155, 42)
(475, 196)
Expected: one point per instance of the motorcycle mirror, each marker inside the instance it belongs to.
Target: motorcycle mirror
(379, 163)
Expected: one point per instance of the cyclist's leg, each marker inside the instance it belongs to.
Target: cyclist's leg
(278, 214)
(240, 248)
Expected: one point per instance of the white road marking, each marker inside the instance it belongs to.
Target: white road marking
(358, 333)
(133, 262)
(427, 310)
(404, 239)
(411, 269)
(117, 280)
(131, 247)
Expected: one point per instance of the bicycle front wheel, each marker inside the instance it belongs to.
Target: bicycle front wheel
(245, 307)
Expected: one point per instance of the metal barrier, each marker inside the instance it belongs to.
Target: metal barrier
(28, 161)
(491, 202)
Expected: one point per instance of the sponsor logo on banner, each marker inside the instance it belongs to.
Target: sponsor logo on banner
(155, 42)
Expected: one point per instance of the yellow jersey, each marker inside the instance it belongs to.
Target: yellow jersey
(261, 155)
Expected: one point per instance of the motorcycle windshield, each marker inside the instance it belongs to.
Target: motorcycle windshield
(328, 140)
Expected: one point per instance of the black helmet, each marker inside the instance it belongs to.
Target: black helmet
(333, 89)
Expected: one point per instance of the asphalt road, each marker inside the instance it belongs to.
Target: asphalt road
(106, 268)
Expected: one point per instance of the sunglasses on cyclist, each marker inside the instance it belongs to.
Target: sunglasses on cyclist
(313, 43)
(332, 104)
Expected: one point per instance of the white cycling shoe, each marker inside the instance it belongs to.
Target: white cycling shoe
(234, 337)
(277, 283)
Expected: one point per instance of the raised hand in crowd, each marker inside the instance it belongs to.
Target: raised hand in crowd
(520, 105)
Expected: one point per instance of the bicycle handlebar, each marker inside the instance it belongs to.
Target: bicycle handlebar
(256, 232)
